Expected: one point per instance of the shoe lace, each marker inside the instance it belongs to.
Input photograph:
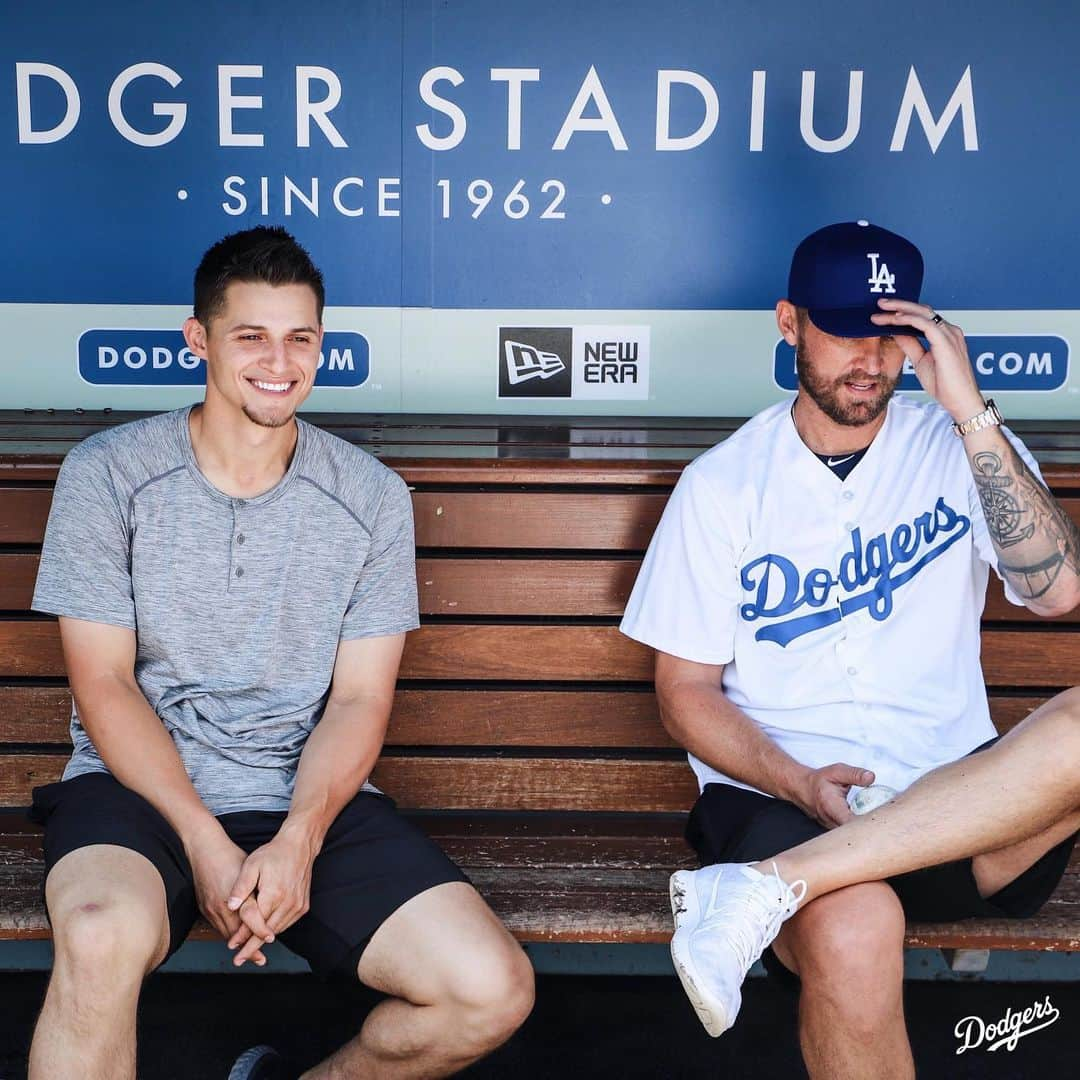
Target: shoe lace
(756, 915)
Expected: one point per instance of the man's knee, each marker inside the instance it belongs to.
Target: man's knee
(493, 997)
(849, 945)
(1063, 713)
(108, 914)
(106, 940)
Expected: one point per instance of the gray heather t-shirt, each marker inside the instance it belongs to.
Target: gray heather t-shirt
(238, 605)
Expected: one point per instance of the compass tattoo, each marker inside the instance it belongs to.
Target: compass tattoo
(1017, 508)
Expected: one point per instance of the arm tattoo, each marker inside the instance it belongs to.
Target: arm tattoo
(1000, 508)
(1018, 508)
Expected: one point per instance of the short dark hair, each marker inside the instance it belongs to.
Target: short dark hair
(266, 253)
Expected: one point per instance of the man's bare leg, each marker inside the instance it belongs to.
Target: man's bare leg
(110, 928)
(1025, 788)
(847, 949)
(460, 986)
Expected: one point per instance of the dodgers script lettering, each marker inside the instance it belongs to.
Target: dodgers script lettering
(871, 561)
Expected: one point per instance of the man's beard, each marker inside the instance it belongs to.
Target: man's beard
(826, 395)
(273, 421)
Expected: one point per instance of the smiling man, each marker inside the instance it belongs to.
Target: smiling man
(813, 592)
(234, 587)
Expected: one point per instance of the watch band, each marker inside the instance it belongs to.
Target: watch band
(989, 417)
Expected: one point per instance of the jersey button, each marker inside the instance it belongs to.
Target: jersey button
(853, 671)
(240, 538)
(239, 571)
(849, 495)
(849, 525)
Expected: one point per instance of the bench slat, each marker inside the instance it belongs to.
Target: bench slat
(568, 521)
(452, 586)
(464, 783)
(564, 521)
(515, 653)
(23, 513)
(32, 714)
(584, 587)
(611, 899)
(567, 587)
(421, 717)
(518, 520)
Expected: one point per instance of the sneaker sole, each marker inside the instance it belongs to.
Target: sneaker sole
(241, 1069)
(684, 910)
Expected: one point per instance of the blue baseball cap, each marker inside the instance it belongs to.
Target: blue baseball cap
(841, 271)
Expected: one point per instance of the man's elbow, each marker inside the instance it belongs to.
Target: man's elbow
(99, 690)
(672, 700)
(1064, 601)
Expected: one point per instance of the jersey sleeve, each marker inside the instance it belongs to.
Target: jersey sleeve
(85, 567)
(685, 600)
(384, 599)
(983, 544)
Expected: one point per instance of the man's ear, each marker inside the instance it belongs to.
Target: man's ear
(787, 321)
(195, 336)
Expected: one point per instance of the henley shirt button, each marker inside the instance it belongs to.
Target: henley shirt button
(239, 571)
(853, 671)
(240, 538)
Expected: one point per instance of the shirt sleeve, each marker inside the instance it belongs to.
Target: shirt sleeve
(685, 600)
(85, 567)
(983, 544)
(384, 599)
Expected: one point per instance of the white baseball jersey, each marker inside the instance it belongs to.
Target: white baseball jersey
(846, 613)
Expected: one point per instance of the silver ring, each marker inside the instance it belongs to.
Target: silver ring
(936, 319)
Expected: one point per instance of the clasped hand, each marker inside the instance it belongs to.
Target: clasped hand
(250, 899)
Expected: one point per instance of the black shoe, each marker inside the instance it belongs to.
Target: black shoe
(259, 1063)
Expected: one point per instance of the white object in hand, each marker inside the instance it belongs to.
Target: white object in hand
(864, 799)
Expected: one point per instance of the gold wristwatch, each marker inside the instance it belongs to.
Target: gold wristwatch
(989, 417)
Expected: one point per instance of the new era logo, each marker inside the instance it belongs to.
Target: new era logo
(534, 362)
(523, 362)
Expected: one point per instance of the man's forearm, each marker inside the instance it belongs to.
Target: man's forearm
(704, 721)
(1037, 544)
(338, 757)
(140, 753)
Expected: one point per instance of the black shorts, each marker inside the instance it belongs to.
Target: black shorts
(372, 861)
(732, 825)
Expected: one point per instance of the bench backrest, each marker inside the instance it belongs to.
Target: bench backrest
(518, 692)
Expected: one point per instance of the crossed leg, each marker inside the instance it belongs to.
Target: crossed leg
(110, 929)
(1006, 806)
(846, 944)
(460, 986)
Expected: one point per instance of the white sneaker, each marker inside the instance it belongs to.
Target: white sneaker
(725, 916)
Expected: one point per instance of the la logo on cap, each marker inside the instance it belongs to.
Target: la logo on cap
(879, 275)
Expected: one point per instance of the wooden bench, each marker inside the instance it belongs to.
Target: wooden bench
(525, 733)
